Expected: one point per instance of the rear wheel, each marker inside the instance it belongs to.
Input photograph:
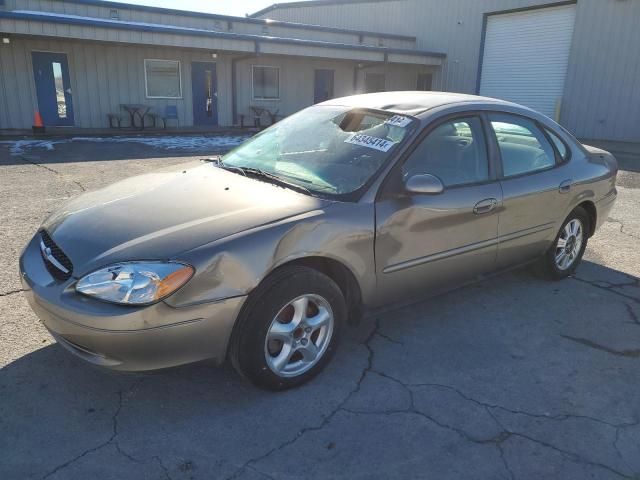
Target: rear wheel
(563, 257)
(289, 329)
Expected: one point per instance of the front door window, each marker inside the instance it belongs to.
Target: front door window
(59, 83)
(208, 88)
(454, 151)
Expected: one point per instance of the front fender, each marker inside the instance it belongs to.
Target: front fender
(235, 265)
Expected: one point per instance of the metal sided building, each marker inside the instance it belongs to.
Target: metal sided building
(77, 61)
(577, 61)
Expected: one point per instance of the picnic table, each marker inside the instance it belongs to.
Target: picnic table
(136, 109)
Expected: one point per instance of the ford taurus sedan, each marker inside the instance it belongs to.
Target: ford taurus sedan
(263, 255)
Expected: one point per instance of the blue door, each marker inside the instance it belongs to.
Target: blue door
(323, 86)
(205, 93)
(53, 88)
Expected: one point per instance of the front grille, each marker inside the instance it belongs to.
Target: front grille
(54, 258)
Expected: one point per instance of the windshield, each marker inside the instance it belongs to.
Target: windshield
(330, 150)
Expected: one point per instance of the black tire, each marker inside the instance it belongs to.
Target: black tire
(247, 345)
(547, 265)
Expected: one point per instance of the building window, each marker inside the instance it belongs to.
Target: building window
(425, 81)
(374, 82)
(266, 83)
(114, 15)
(162, 78)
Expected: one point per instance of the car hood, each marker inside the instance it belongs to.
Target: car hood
(159, 215)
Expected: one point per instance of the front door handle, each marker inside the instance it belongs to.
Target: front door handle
(565, 186)
(485, 206)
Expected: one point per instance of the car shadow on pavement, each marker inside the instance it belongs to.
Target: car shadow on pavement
(61, 416)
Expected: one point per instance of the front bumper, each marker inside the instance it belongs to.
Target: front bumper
(121, 337)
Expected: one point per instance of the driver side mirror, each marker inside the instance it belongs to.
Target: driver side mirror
(429, 184)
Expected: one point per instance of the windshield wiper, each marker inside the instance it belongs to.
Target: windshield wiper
(256, 172)
(220, 163)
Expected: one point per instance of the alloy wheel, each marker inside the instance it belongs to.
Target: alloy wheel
(299, 335)
(569, 244)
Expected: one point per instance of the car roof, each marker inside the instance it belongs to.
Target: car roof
(413, 103)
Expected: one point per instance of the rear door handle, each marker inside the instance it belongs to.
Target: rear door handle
(565, 186)
(485, 206)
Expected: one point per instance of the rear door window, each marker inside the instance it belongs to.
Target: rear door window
(523, 147)
(560, 145)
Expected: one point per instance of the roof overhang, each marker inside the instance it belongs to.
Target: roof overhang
(235, 19)
(66, 26)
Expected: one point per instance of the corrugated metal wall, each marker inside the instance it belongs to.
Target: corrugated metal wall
(105, 75)
(602, 94)
(453, 27)
(239, 26)
(102, 77)
(602, 91)
(297, 81)
(387, 17)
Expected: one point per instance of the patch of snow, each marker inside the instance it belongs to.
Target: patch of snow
(175, 142)
(17, 147)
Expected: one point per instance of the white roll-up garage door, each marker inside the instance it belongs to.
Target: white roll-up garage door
(526, 56)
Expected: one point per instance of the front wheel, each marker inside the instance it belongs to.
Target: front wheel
(289, 328)
(563, 257)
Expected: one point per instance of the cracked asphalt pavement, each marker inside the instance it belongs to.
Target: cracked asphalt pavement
(514, 377)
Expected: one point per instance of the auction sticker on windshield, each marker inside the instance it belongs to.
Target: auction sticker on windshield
(399, 121)
(368, 141)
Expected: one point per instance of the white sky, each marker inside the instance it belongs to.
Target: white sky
(225, 7)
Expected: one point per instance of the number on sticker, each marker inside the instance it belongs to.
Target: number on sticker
(398, 121)
(368, 141)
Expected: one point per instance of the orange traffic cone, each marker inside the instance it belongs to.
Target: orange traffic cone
(38, 126)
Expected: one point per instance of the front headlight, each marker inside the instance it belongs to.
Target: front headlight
(135, 283)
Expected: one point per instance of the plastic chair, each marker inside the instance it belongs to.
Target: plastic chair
(170, 113)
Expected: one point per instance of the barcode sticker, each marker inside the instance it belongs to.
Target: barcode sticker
(376, 143)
